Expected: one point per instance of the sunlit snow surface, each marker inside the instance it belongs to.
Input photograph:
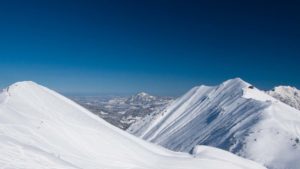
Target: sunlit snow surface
(40, 129)
(234, 116)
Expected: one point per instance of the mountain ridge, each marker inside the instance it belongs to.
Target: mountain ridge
(40, 128)
(233, 116)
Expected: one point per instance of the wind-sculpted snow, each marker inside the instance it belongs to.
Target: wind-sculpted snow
(233, 116)
(40, 129)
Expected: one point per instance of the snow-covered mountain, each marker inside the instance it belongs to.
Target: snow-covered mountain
(233, 116)
(287, 94)
(141, 99)
(123, 111)
(40, 128)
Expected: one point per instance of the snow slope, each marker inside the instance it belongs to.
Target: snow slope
(233, 116)
(40, 129)
(287, 94)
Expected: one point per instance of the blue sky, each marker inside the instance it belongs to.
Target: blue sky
(162, 47)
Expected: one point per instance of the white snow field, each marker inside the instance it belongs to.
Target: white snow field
(233, 116)
(41, 129)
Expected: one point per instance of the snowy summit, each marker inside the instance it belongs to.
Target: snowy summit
(287, 94)
(141, 98)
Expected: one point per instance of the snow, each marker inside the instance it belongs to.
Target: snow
(122, 111)
(41, 129)
(287, 94)
(141, 98)
(257, 95)
(233, 116)
(214, 153)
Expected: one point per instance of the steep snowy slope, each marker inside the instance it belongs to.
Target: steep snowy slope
(40, 129)
(234, 116)
(287, 94)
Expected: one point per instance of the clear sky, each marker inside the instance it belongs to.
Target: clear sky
(162, 47)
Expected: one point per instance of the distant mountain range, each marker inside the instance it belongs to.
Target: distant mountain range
(124, 111)
(234, 116)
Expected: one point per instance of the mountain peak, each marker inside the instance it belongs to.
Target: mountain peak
(286, 94)
(140, 98)
(21, 86)
(142, 94)
(236, 81)
(23, 83)
(287, 89)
